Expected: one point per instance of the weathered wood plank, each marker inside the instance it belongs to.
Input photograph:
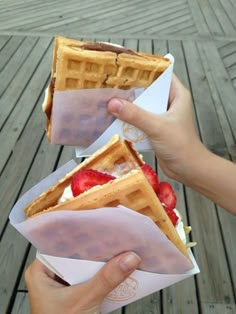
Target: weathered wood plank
(53, 13)
(219, 105)
(230, 10)
(13, 248)
(222, 16)
(4, 40)
(214, 308)
(100, 18)
(198, 17)
(21, 305)
(149, 304)
(227, 226)
(167, 23)
(29, 260)
(208, 122)
(10, 70)
(134, 20)
(210, 18)
(185, 27)
(222, 82)
(20, 114)
(17, 167)
(9, 49)
(19, 80)
(209, 252)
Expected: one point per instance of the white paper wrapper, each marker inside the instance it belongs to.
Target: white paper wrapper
(75, 245)
(80, 117)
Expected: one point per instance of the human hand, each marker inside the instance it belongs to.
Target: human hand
(47, 294)
(172, 134)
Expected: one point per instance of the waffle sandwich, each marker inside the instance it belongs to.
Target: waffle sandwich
(130, 188)
(89, 65)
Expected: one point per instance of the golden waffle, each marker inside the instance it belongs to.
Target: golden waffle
(75, 68)
(115, 155)
(131, 189)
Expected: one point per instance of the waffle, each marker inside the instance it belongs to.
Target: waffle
(75, 67)
(115, 155)
(131, 189)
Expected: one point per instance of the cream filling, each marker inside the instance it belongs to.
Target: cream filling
(180, 227)
(66, 196)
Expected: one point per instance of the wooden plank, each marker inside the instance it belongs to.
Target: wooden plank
(198, 17)
(30, 258)
(208, 122)
(16, 169)
(21, 305)
(20, 79)
(9, 49)
(222, 16)
(226, 48)
(178, 15)
(222, 82)
(185, 27)
(16, 62)
(181, 298)
(20, 114)
(214, 308)
(52, 15)
(230, 10)
(138, 15)
(219, 105)
(210, 18)
(227, 225)
(214, 281)
(13, 247)
(149, 304)
(97, 20)
(19, 15)
(94, 17)
(229, 60)
(3, 41)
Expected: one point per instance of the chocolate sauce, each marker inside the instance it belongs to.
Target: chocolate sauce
(107, 47)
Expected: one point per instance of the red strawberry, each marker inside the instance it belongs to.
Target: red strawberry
(166, 195)
(172, 215)
(151, 176)
(83, 180)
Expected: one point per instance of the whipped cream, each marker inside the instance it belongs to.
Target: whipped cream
(180, 227)
(67, 195)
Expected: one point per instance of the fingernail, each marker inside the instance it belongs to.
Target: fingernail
(115, 105)
(129, 262)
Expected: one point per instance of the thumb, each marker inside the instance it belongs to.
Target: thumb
(128, 112)
(110, 276)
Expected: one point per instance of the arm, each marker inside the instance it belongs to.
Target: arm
(212, 176)
(178, 149)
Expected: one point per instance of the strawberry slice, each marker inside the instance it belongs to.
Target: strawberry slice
(166, 195)
(172, 215)
(83, 180)
(151, 176)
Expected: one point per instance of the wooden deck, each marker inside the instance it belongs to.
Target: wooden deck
(201, 34)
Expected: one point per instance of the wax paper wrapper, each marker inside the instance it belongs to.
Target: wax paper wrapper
(80, 117)
(76, 244)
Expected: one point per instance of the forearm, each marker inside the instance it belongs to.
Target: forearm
(214, 177)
